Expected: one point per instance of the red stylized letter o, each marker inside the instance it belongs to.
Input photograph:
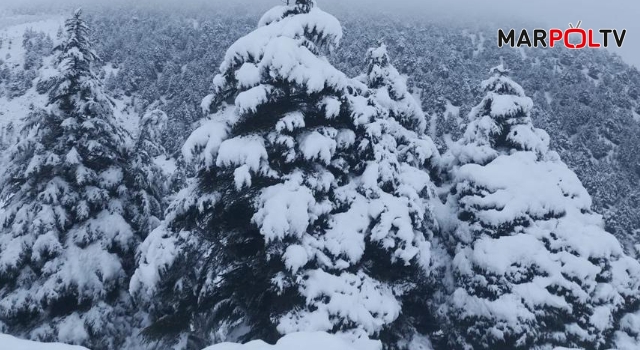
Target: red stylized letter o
(583, 41)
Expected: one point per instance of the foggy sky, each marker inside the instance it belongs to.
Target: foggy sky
(594, 14)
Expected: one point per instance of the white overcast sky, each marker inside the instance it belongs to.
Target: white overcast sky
(594, 14)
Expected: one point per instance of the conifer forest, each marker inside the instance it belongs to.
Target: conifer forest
(313, 175)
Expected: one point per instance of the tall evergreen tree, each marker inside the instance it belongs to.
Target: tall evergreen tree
(533, 267)
(308, 212)
(151, 127)
(151, 181)
(394, 157)
(73, 218)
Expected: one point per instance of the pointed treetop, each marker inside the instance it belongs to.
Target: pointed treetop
(77, 45)
(501, 122)
(390, 89)
(499, 70)
(377, 56)
(289, 9)
(287, 36)
(378, 62)
(75, 57)
(505, 99)
(305, 5)
(302, 4)
(501, 84)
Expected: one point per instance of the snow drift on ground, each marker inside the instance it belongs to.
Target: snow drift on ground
(307, 341)
(11, 343)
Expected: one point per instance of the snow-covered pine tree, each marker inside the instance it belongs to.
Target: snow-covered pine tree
(300, 218)
(533, 267)
(151, 182)
(72, 220)
(394, 157)
(151, 127)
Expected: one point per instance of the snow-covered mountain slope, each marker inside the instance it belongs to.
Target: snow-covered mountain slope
(19, 76)
(12, 35)
(12, 62)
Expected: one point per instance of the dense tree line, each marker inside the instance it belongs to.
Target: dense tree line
(588, 101)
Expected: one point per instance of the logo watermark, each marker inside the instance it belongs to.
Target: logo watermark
(580, 38)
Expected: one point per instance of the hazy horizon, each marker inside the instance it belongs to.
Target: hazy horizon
(618, 14)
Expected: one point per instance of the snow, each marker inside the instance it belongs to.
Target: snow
(155, 254)
(168, 165)
(242, 150)
(109, 69)
(297, 341)
(636, 116)
(47, 243)
(111, 177)
(332, 107)
(14, 33)
(242, 177)
(204, 143)
(433, 125)
(520, 185)
(553, 232)
(287, 60)
(249, 100)
(248, 75)
(274, 50)
(345, 138)
(477, 41)
(500, 83)
(205, 105)
(506, 105)
(345, 236)
(526, 238)
(11, 343)
(451, 111)
(628, 338)
(285, 210)
(523, 53)
(295, 257)
(532, 228)
(480, 46)
(291, 27)
(390, 90)
(291, 122)
(315, 145)
(362, 112)
(13, 111)
(72, 330)
(356, 298)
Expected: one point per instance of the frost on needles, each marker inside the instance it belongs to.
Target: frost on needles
(76, 211)
(310, 211)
